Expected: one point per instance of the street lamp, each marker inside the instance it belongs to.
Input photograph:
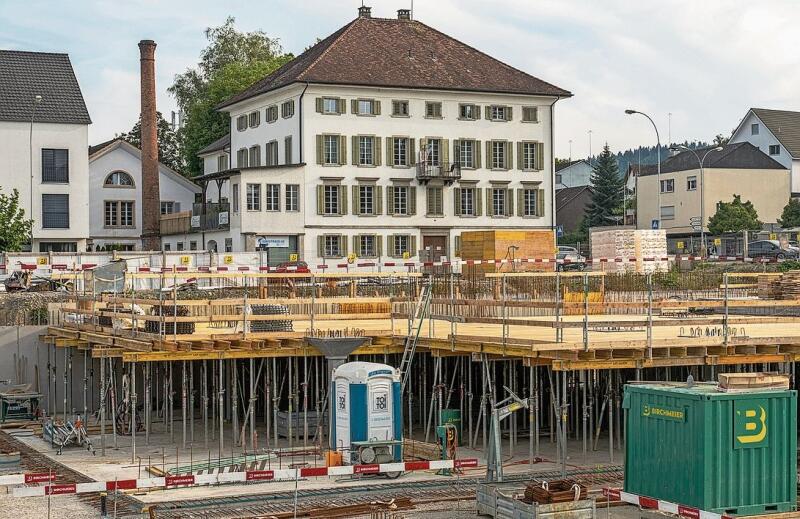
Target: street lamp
(36, 100)
(658, 174)
(702, 190)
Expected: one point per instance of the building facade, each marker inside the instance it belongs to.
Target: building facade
(43, 143)
(115, 195)
(777, 134)
(338, 154)
(577, 173)
(739, 169)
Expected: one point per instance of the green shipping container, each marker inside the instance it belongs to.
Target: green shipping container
(453, 416)
(731, 453)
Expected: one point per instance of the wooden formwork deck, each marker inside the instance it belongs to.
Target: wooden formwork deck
(599, 339)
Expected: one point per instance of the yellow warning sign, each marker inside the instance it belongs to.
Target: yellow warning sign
(186, 260)
(681, 245)
(228, 259)
(41, 260)
(292, 257)
(406, 255)
(351, 257)
(717, 241)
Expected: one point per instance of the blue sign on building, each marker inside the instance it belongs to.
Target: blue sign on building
(654, 225)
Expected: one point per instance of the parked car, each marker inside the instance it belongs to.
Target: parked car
(769, 249)
(300, 267)
(570, 259)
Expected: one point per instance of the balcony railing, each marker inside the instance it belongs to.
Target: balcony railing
(211, 216)
(447, 171)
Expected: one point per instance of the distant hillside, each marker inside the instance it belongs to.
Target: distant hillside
(647, 154)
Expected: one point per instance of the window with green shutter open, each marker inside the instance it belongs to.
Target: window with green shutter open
(400, 109)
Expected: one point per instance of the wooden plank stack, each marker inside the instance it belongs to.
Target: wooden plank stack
(788, 285)
(559, 491)
(507, 244)
(732, 382)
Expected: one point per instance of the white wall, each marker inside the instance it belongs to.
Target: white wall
(122, 158)
(15, 167)
(762, 141)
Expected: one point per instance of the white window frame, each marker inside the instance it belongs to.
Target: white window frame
(272, 197)
(498, 158)
(292, 195)
(118, 214)
(499, 202)
(402, 243)
(528, 156)
(691, 183)
(332, 246)
(400, 202)
(368, 245)
(402, 103)
(498, 112)
(468, 201)
(366, 150)
(776, 147)
(330, 150)
(467, 159)
(366, 199)
(667, 185)
(253, 197)
(287, 109)
(254, 119)
(434, 152)
(430, 110)
(330, 105)
(365, 107)
(529, 201)
(400, 147)
(330, 199)
(468, 112)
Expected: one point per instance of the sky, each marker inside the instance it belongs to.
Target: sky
(694, 66)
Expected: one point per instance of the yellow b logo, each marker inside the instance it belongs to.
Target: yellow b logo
(753, 424)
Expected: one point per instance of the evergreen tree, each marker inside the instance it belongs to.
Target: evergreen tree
(791, 215)
(735, 216)
(607, 193)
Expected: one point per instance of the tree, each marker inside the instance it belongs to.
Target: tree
(734, 216)
(561, 163)
(607, 188)
(791, 215)
(721, 140)
(15, 230)
(169, 152)
(230, 63)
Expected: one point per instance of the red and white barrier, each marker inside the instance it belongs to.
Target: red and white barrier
(648, 503)
(251, 476)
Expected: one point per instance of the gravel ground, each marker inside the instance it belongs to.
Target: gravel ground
(61, 507)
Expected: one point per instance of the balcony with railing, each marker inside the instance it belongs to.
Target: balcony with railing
(211, 216)
(448, 172)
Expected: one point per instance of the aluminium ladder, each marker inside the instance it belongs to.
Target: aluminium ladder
(421, 311)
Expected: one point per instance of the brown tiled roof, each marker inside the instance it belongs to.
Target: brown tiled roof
(784, 125)
(399, 53)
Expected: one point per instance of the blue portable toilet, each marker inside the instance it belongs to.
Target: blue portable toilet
(366, 412)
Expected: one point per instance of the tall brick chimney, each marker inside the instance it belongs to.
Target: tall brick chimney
(151, 197)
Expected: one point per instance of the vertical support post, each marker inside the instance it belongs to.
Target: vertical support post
(183, 399)
(170, 405)
(585, 311)
(220, 404)
(725, 319)
(564, 422)
(505, 315)
(103, 392)
(649, 316)
(275, 401)
(147, 402)
(204, 400)
(252, 413)
(611, 399)
(235, 402)
(85, 384)
(531, 417)
(133, 412)
(584, 413)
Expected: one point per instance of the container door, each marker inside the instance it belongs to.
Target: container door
(380, 410)
(342, 403)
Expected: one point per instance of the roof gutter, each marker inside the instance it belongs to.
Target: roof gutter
(300, 122)
(553, 173)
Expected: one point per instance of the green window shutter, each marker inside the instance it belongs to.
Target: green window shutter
(379, 245)
(390, 246)
(520, 202)
(509, 202)
(354, 147)
(342, 150)
(477, 111)
(539, 156)
(488, 112)
(456, 150)
(489, 205)
(478, 201)
(412, 200)
(321, 246)
(320, 199)
(341, 106)
(342, 199)
(509, 113)
(320, 150)
(412, 246)
(378, 199)
(411, 151)
(445, 148)
(457, 201)
(477, 151)
(540, 202)
(488, 154)
(357, 244)
(509, 155)
(520, 162)
(377, 105)
(376, 152)
(535, 114)
(343, 245)
(389, 151)
(320, 105)
(356, 204)
(354, 106)
(390, 200)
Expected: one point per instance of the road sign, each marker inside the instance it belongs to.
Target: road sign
(681, 245)
(696, 228)
(717, 241)
(351, 258)
(694, 220)
(773, 236)
(292, 257)
(559, 231)
(654, 225)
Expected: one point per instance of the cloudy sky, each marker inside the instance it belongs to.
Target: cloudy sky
(704, 62)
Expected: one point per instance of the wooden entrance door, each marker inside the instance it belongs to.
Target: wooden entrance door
(434, 247)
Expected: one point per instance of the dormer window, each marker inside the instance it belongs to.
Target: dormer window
(118, 179)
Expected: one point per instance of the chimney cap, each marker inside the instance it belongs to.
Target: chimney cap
(147, 42)
(365, 11)
(404, 14)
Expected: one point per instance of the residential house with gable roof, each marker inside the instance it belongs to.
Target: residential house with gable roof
(384, 139)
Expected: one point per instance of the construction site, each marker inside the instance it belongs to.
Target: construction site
(209, 393)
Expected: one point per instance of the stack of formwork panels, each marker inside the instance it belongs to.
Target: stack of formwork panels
(629, 250)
